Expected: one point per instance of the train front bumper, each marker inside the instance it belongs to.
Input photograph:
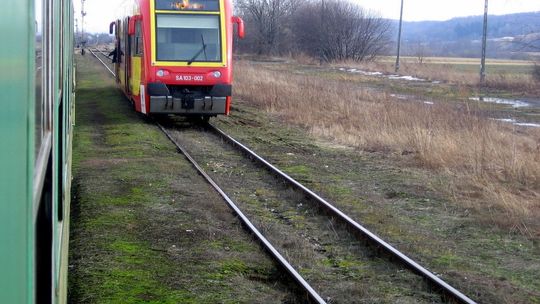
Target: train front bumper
(210, 100)
(197, 106)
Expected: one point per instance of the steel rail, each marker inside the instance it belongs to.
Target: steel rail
(446, 288)
(314, 296)
(102, 53)
(105, 65)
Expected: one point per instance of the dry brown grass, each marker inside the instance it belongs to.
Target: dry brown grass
(494, 168)
(501, 75)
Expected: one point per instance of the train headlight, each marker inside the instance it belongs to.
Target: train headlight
(160, 73)
(216, 74)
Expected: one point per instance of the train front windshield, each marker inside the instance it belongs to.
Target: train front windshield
(190, 38)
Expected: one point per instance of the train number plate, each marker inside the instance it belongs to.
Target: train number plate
(189, 77)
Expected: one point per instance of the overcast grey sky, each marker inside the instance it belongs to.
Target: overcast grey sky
(417, 10)
(101, 12)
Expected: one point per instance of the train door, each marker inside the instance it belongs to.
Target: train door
(127, 61)
(136, 57)
(116, 25)
(120, 66)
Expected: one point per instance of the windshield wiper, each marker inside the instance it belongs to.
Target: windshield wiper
(203, 49)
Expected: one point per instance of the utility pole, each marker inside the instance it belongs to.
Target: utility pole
(77, 34)
(321, 50)
(399, 36)
(484, 42)
(83, 36)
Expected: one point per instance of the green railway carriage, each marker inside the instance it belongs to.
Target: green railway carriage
(36, 122)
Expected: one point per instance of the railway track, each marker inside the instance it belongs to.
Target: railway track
(349, 237)
(94, 51)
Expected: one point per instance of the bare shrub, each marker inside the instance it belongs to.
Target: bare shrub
(328, 30)
(268, 24)
(536, 72)
(420, 52)
(338, 30)
(492, 168)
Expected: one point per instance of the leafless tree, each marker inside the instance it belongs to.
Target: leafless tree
(266, 21)
(527, 43)
(420, 52)
(530, 43)
(338, 30)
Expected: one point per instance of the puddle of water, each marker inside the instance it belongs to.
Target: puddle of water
(516, 123)
(409, 78)
(367, 73)
(515, 103)
(411, 98)
(380, 74)
(399, 96)
(527, 124)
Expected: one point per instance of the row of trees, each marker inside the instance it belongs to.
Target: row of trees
(325, 29)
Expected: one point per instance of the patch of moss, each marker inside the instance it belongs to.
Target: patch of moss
(298, 170)
(138, 234)
(448, 260)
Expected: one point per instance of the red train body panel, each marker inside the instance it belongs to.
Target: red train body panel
(175, 57)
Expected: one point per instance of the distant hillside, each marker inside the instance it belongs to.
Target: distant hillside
(461, 36)
(470, 28)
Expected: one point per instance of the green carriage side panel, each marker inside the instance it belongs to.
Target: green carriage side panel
(57, 138)
(64, 113)
(16, 152)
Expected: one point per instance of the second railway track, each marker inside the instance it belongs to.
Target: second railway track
(334, 258)
(343, 261)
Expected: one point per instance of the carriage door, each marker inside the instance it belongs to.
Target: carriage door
(136, 59)
(118, 48)
(127, 65)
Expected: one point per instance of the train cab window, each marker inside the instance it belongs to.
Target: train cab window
(192, 38)
(183, 5)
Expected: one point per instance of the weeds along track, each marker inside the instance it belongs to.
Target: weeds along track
(331, 257)
(339, 258)
(104, 59)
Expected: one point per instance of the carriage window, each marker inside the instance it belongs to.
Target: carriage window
(191, 38)
(187, 5)
(39, 47)
(138, 39)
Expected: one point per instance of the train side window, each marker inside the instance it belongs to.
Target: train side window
(39, 48)
(138, 39)
(43, 174)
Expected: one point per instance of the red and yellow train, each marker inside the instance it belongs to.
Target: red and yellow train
(175, 57)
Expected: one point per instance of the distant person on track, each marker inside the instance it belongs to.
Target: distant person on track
(116, 55)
